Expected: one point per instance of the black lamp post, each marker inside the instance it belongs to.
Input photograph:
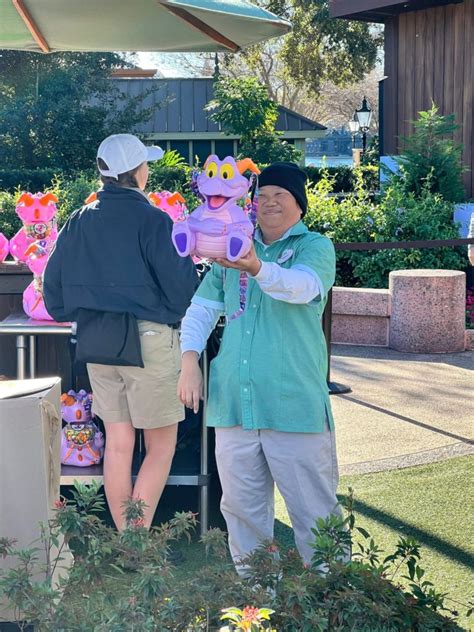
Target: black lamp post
(364, 116)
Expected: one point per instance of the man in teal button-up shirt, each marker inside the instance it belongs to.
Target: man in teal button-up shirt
(268, 397)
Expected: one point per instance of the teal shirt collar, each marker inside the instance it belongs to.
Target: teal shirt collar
(297, 229)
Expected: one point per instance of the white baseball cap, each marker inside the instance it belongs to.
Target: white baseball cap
(124, 152)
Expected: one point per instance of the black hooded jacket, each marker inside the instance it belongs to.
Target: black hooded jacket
(116, 255)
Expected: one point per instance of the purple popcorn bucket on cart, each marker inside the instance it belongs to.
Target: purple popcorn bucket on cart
(82, 443)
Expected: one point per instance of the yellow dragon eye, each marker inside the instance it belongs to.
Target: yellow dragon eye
(227, 172)
(211, 170)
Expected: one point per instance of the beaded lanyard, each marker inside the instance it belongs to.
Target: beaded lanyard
(193, 185)
(250, 207)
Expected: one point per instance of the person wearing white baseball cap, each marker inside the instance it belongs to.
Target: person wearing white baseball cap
(120, 154)
(114, 256)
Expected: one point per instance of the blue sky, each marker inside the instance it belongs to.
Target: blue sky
(164, 62)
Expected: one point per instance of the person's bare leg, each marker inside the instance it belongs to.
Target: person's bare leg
(160, 444)
(119, 444)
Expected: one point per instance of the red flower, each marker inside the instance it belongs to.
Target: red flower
(250, 614)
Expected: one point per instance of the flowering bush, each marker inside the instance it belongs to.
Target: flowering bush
(126, 581)
(250, 619)
(470, 308)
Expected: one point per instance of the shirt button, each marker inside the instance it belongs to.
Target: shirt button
(254, 305)
(245, 361)
(248, 332)
(245, 390)
(266, 254)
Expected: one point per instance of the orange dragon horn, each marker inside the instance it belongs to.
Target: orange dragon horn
(26, 199)
(91, 198)
(155, 198)
(247, 163)
(67, 400)
(176, 197)
(47, 198)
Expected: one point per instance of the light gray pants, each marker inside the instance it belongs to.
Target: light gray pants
(304, 468)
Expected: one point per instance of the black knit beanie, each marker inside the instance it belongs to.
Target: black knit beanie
(288, 176)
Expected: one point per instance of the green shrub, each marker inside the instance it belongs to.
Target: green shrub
(72, 191)
(408, 218)
(172, 173)
(345, 178)
(348, 220)
(10, 223)
(32, 180)
(417, 205)
(164, 178)
(267, 147)
(397, 216)
(126, 581)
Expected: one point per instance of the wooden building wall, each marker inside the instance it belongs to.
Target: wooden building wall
(429, 57)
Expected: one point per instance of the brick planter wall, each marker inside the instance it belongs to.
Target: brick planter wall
(469, 339)
(361, 316)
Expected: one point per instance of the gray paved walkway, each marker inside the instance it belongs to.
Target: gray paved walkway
(404, 409)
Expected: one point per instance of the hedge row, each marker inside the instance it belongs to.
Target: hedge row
(344, 177)
(27, 179)
(34, 180)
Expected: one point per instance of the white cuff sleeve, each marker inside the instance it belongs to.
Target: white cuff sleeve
(197, 325)
(298, 284)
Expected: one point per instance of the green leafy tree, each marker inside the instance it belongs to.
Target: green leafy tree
(371, 156)
(319, 49)
(55, 109)
(243, 107)
(431, 159)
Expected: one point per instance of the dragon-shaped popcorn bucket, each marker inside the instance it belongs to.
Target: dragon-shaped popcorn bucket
(32, 245)
(82, 443)
(219, 227)
(173, 204)
(37, 213)
(4, 247)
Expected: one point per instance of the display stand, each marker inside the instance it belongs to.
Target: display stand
(26, 331)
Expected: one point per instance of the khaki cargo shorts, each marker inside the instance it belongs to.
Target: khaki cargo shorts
(145, 397)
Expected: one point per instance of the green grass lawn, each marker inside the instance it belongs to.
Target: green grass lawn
(433, 503)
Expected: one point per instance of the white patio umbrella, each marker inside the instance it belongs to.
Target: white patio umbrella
(135, 25)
